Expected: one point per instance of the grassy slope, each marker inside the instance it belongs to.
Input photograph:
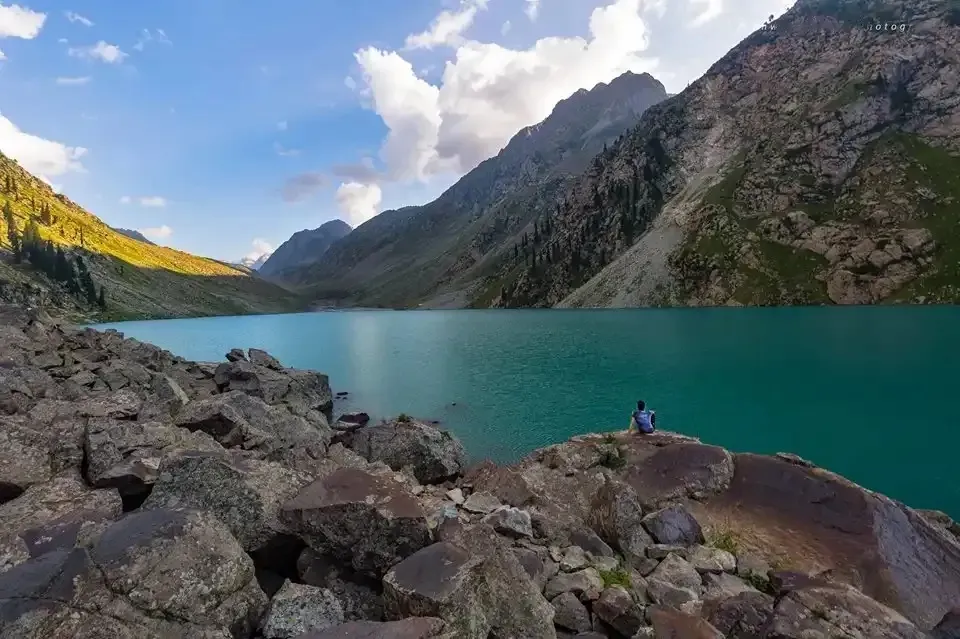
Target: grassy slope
(141, 280)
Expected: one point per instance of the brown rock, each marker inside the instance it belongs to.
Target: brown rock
(669, 623)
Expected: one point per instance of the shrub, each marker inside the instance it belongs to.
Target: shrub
(403, 418)
(618, 577)
(725, 539)
(612, 458)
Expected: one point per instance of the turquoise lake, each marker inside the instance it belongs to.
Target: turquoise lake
(868, 392)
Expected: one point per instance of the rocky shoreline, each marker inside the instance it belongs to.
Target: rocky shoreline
(144, 495)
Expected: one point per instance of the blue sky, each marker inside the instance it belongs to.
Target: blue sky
(222, 127)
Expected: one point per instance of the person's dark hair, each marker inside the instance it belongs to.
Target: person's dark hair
(641, 405)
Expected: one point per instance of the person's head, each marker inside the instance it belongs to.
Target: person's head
(641, 405)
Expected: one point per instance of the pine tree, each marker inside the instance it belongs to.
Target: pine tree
(102, 300)
(45, 216)
(82, 243)
(87, 287)
(62, 271)
(12, 235)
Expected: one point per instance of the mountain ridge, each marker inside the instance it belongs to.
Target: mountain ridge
(403, 256)
(304, 247)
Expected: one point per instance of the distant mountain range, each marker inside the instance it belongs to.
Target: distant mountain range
(136, 235)
(254, 264)
(406, 256)
(303, 248)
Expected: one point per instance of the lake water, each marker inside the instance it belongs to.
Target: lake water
(870, 393)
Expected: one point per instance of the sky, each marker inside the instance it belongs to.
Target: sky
(221, 127)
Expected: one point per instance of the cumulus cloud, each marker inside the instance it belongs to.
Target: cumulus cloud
(711, 9)
(157, 232)
(358, 202)
(300, 187)
(260, 248)
(72, 82)
(448, 27)
(20, 22)
(76, 17)
(39, 156)
(505, 28)
(2, 56)
(350, 83)
(102, 51)
(153, 202)
(147, 36)
(488, 92)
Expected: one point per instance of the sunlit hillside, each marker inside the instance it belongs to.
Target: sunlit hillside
(141, 280)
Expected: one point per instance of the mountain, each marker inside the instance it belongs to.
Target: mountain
(139, 280)
(818, 162)
(136, 235)
(445, 248)
(254, 264)
(304, 247)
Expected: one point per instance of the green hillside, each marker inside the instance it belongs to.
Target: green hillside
(140, 280)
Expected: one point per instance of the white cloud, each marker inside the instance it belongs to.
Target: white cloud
(76, 17)
(282, 125)
(533, 9)
(39, 156)
(20, 22)
(283, 152)
(72, 82)
(2, 56)
(103, 51)
(260, 248)
(63, 41)
(153, 202)
(711, 9)
(658, 7)
(146, 36)
(350, 83)
(157, 232)
(505, 28)
(448, 27)
(359, 202)
(488, 92)
(126, 199)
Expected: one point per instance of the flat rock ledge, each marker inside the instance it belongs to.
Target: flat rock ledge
(144, 495)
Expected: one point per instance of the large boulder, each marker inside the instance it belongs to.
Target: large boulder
(297, 609)
(245, 494)
(831, 610)
(302, 390)
(410, 628)
(54, 515)
(474, 583)
(674, 525)
(368, 521)
(743, 616)
(127, 455)
(360, 597)
(617, 609)
(236, 419)
(152, 574)
(432, 454)
(24, 457)
(617, 516)
(670, 623)
(570, 614)
(664, 468)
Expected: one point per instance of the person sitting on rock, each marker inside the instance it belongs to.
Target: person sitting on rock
(644, 420)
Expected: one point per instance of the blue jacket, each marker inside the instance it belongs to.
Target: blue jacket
(644, 420)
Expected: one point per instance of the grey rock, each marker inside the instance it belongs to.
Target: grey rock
(260, 357)
(537, 567)
(616, 515)
(569, 613)
(706, 559)
(743, 616)
(585, 584)
(510, 521)
(58, 514)
(678, 571)
(752, 566)
(301, 390)
(236, 355)
(235, 419)
(607, 564)
(661, 592)
(674, 525)
(817, 611)
(356, 595)
(365, 520)
(456, 496)
(475, 583)
(948, 627)
(481, 502)
(723, 586)
(660, 551)
(432, 454)
(297, 609)
(24, 457)
(121, 404)
(573, 559)
(669, 622)
(410, 628)
(349, 422)
(126, 455)
(246, 495)
(617, 609)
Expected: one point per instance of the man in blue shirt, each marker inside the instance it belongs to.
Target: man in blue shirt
(643, 419)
